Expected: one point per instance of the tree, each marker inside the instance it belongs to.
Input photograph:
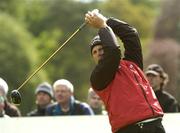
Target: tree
(15, 8)
(140, 15)
(17, 60)
(168, 23)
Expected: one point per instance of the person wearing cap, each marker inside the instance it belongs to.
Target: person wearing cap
(96, 103)
(44, 97)
(119, 79)
(10, 109)
(66, 103)
(158, 80)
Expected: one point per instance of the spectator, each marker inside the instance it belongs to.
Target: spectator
(96, 103)
(119, 79)
(44, 97)
(158, 80)
(66, 104)
(2, 105)
(10, 109)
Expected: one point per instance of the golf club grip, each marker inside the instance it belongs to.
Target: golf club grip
(82, 25)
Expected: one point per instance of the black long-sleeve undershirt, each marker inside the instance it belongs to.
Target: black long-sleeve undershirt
(106, 68)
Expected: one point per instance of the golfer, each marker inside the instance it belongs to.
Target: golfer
(119, 80)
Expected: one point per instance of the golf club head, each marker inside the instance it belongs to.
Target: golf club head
(16, 97)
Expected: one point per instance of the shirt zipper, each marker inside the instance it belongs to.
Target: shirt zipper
(143, 91)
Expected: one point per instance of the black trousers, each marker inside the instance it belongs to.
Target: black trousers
(148, 127)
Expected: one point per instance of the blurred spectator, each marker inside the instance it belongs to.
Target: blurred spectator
(2, 105)
(96, 103)
(9, 108)
(158, 80)
(44, 97)
(66, 104)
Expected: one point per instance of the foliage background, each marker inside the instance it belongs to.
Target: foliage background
(30, 30)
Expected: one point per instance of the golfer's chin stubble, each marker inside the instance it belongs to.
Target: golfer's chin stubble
(96, 60)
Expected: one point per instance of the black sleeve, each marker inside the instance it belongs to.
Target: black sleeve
(130, 39)
(106, 68)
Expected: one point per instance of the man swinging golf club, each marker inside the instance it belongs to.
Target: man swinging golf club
(129, 99)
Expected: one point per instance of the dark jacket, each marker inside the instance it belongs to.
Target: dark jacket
(167, 101)
(37, 112)
(11, 110)
(76, 108)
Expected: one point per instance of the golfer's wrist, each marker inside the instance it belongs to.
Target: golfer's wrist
(104, 25)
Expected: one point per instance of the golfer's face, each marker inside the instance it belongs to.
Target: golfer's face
(97, 53)
(62, 94)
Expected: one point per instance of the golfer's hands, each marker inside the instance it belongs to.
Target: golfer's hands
(95, 19)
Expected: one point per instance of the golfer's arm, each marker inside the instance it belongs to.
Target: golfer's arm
(106, 69)
(130, 39)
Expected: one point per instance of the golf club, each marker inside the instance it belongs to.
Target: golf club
(15, 95)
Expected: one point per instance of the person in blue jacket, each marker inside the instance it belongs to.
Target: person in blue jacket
(65, 103)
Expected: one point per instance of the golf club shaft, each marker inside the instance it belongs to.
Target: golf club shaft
(51, 56)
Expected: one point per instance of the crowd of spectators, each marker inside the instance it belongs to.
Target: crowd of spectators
(58, 99)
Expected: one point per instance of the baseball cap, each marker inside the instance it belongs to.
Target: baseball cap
(155, 69)
(95, 41)
(45, 87)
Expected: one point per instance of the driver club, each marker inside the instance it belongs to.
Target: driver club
(15, 94)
